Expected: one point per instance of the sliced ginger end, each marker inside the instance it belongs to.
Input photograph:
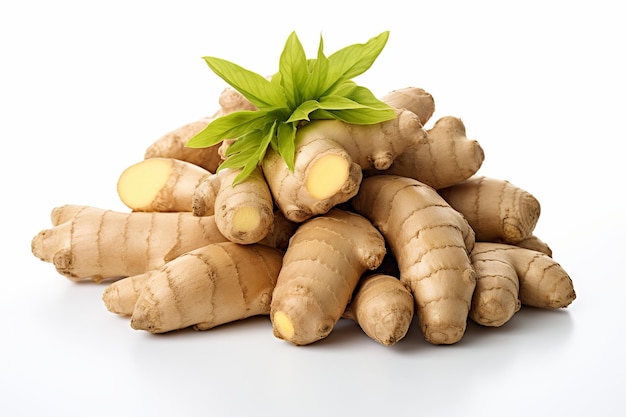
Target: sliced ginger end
(283, 325)
(140, 183)
(246, 219)
(327, 176)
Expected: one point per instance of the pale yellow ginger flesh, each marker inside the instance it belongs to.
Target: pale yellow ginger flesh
(244, 213)
(327, 176)
(246, 219)
(289, 190)
(284, 325)
(159, 184)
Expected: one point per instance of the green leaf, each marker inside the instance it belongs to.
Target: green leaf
(286, 143)
(360, 116)
(293, 70)
(365, 97)
(354, 60)
(230, 126)
(303, 110)
(318, 68)
(247, 152)
(257, 89)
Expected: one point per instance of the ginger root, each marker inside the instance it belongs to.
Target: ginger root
(497, 210)
(99, 244)
(442, 158)
(92, 243)
(431, 243)
(383, 307)
(508, 276)
(217, 284)
(414, 99)
(244, 213)
(377, 224)
(330, 158)
(160, 184)
(321, 268)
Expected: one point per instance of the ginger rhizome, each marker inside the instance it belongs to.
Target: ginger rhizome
(443, 157)
(93, 243)
(380, 223)
(244, 213)
(383, 307)
(160, 184)
(508, 276)
(329, 159)
(98, 244)
(497, 210)
(431, 243)
(219, 283)
(321, 268)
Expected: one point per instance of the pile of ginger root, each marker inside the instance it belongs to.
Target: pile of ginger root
(380, 224)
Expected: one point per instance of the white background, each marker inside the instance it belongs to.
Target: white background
(85, 87)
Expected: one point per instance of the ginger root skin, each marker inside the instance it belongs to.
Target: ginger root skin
(98, 244)
(321, 268)
(508, 276)
(172, 145)
(244, 213)
(414, 99)
(383, 307)
(443, 157)
(497, 210)
(431, 243)
(207, 287)
(160, 184)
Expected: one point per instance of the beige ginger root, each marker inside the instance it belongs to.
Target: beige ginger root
(508, 276)
(123, 293)
(98, 244)
(88, 242)
(383, 307)
(431, 243)
(160, 184)
(497, 210)
(330, 156)
(244, 213)
(321, 268)
(172, 144)
(413, 99)
(443, 157)
(207, 287)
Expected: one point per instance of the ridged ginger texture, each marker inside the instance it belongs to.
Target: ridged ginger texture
(431, 243)
(326, 257)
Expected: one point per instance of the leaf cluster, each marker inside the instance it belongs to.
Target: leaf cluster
(301, 91)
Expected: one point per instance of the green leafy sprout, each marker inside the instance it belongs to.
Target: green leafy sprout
(301, 91)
